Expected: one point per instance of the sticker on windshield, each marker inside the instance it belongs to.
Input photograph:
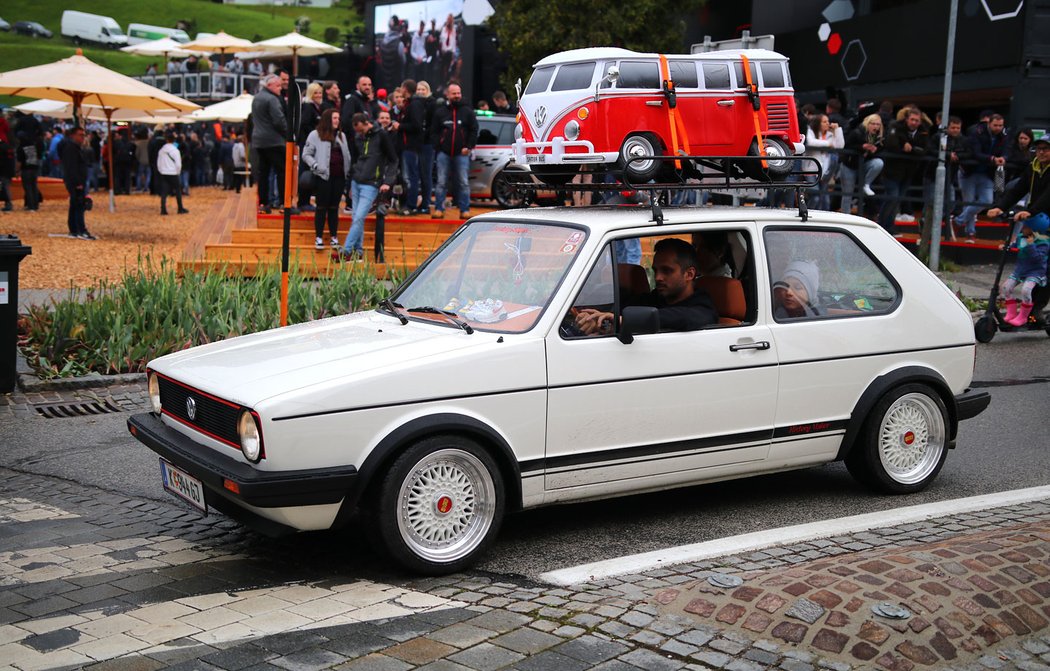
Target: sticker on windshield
(572, 242)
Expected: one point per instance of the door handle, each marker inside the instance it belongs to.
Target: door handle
(726, 103)
(761, 345)
(654, 103)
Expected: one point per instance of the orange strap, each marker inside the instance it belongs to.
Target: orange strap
(672, 112)
(754, 112)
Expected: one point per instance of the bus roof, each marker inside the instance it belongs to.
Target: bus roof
(596, 53)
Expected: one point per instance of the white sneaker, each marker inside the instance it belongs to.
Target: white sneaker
(334, 242)
(867, 190)
(319, 244)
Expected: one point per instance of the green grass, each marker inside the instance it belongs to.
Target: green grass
(253, 22)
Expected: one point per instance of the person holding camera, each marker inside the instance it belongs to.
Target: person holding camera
(75, 176)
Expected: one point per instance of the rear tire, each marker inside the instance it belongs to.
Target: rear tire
(904, 441)
(504, 192)
(440, 505)
(779, 159)
(984, 330)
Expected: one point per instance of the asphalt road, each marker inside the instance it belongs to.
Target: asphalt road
(1005, 448)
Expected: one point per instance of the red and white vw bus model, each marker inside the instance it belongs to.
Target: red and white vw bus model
(605, 105)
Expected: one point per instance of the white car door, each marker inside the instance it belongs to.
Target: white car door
(666, 409)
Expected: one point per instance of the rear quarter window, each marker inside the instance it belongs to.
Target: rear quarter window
(839, 276)
(772, 75)
(573, 77)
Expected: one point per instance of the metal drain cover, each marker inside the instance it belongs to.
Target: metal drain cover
(76, 408)
(891, 611)
(725, 580)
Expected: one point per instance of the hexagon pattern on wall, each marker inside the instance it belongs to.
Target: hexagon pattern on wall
(854, 58)
(824, 32)
(997, 10)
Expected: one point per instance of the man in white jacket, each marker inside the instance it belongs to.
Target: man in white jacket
(169, 165)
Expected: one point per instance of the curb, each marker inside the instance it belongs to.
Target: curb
(29, 382)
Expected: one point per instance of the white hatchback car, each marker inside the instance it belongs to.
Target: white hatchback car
(473, 392)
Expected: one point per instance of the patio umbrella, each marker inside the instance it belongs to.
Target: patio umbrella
(80, 81)
(296, 45)
(220, 43)
(52, 108)
(165, 47)
(232, 110)
(60, 110)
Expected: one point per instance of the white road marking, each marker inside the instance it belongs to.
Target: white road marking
(787, 535)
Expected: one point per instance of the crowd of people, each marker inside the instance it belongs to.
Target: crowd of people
(888, 160)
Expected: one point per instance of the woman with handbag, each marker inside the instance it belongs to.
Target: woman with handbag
(327, 155)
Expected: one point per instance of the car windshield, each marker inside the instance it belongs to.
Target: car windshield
(495, 275)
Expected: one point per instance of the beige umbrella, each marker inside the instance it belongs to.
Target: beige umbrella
(165, 47)
(80, 81)
(61, 110)
(220, 43)
(233, 110)
(296, 45)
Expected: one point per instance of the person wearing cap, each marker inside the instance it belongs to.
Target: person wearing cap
(381, 100)
(1033, 252)
(795, 293)
(1034, 182)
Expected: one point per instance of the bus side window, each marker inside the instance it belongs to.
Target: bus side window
(716, 76)
(772, 75)
(639, 75)
(683, 74)
(741, 81)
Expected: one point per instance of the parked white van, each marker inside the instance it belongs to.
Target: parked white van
(84, 27)
(140, 32)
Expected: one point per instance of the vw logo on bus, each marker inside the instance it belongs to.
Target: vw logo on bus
(540, 116)
(191, 408)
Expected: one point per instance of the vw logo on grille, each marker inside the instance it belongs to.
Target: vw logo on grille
(540, 116)
(191, 408)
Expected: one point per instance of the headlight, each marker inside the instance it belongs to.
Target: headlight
(518, 132)
(153, 383)
(251, 439)
(572, 130)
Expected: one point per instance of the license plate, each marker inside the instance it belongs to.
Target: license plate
(536, 158)
(183, 485)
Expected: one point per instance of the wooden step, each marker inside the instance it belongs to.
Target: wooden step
(255, 236)
(322, 267)
(447, 225)
(304, 253)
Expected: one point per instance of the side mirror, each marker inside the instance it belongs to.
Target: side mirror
(612, 74)
(517, 89)
(638, 319)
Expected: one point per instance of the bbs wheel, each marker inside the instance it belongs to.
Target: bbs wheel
(642, 144)
(904, 441)
(778, 160)
(984, 329)
(440, 505)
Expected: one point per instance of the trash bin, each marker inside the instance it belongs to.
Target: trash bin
(12, 251)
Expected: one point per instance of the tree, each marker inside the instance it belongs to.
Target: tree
(529, 31)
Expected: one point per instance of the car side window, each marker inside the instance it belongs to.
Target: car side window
(825, 273)
(574, 76)
(772, 75)
(598, 294)
(683, 74)
(506, 133)
(639, 75)
(741, 80)
(487, 132)
(716, 76)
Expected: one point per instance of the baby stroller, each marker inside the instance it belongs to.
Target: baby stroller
(993, 319)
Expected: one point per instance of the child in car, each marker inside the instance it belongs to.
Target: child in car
(1033, 249)
(795, 294)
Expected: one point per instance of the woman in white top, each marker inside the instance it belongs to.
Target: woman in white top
(821, 136)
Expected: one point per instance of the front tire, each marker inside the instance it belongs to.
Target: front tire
(904, 441)
(778, 160)
(440, 505)
(642, 144)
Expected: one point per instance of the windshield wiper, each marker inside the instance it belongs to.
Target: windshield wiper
(427, 309)
(392, 307)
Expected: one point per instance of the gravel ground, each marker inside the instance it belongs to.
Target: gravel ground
(135, 229)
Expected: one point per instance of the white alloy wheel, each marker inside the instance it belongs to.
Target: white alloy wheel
(911, 438)
(643, 144)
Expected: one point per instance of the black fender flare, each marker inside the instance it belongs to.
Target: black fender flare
(392, 444)
(882, 384)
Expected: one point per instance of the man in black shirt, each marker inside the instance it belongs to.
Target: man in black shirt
(681, 306)
(74, 174)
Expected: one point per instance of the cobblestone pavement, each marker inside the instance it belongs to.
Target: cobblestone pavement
(93, 579)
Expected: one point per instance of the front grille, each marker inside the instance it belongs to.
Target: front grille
(213, 417)
(777, 117)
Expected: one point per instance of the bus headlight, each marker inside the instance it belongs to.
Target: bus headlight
(572, 130)
(518, 132)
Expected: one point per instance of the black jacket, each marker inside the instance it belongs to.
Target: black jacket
(455, 127)
(374, 158)
(74, 166)
(414, 124)
(854, 147)
(899, 163)
(311, 116)
(1035, 180)
(957, 145)
(355, 103)
(691, 314)
(985, 146)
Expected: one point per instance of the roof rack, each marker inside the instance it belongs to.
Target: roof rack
(682, 173)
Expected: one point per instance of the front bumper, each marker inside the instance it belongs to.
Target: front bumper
(260, 489)
(554, 152)
(971, 403)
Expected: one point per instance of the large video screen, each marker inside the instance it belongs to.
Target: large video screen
(421, 40)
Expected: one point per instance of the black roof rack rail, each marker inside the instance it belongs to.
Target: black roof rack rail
(702, 172)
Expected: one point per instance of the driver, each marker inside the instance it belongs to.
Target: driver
(682, 306)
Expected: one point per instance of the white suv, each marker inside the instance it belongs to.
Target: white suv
(472, 391)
